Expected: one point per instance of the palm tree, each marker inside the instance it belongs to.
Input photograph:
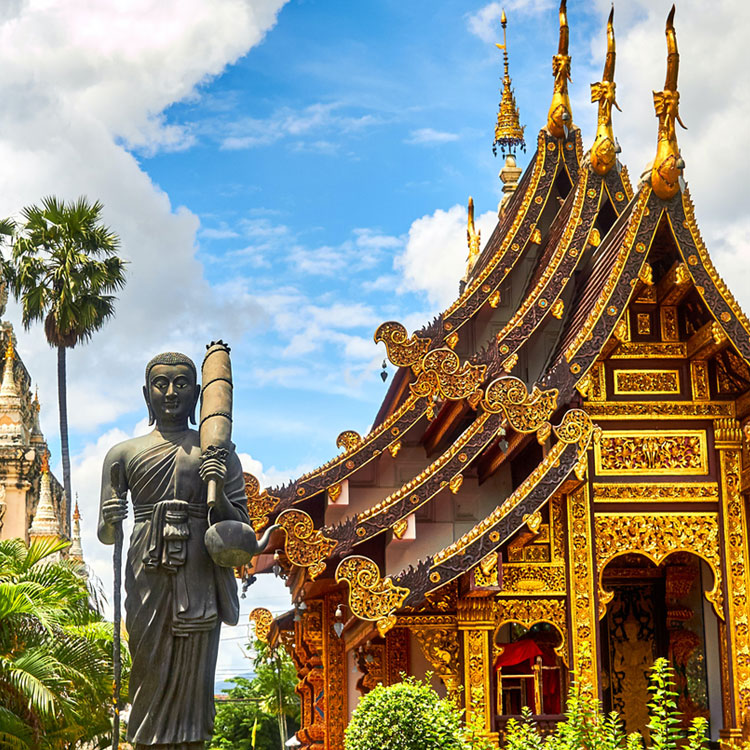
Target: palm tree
(55, 652)
(63, 268)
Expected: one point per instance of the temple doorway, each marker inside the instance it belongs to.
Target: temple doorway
(660, 611)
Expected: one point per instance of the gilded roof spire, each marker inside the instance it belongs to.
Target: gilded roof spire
(560, 117)
(604, 151)
(668, 164)
(473, 238)
(508, 131)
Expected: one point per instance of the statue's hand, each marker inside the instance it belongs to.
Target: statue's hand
(115, 510)
(213, 468)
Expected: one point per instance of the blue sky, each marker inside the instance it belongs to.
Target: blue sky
(287, 176)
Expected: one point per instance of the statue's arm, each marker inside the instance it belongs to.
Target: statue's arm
(112, 505)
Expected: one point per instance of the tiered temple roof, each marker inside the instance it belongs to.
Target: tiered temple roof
(489, 440)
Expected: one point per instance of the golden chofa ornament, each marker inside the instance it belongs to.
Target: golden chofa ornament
(508, 131)
(666, 171)
(605, 148)
(560, 117)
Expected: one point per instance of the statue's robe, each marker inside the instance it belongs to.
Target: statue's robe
(176, 598)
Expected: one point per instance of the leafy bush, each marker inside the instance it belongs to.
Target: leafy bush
(587, 728)
(408, 716)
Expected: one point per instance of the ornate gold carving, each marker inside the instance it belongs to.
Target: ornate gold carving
(648, 492)
(576, 427)
(669, 328)
(370, 660)
(262, 619)
(582, 593)
(528, 612)
(597, 390)
(473, 238)
(477, 679)
(396, 655)
(646, 275)
(305, 545)
(508, 130)
(560, 117)
(643, 323)
(734, 522)
(699, 380)
(400, 527)
(536, 237)
(334, 492)
(614, 276)
(647, 451)
(656, 382)
(259, 504)
(656, 536)
(402, 350)
(621, 331)
(334, 660)
(526, 412)
(727, 433)
(348, 440)
(535, 578)
(371, 597)
(394, 448)
(452, 340)
(443, 374)
(486, 572)
(651, 350)
(558, 309)
(455, 483)
(494, 299)
(660, 409)
(510, 363)
(668, 165)
(604, 150)
(440, 647)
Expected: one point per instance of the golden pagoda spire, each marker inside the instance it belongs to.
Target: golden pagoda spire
(668, 164)
(76, 550)
(604, 150)
(560, 117)
(473, 237)
(45, 462)
(508, 131)
(10, 352)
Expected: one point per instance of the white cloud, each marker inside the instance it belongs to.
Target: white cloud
(81, 81)
(430, 137)
(434, 259)
(485, 22)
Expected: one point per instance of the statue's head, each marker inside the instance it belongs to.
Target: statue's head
(171, 390)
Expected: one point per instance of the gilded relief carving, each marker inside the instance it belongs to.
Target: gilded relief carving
(659, 492)
(654, 382)
(442, 373)
(540, 578)
(646, 451)
(262, 619)
(477, 679)
(440, 647)
(526, 412)
(582, 593)
(659, 409)
(528, 612)
(304, 545)
(656, 536)
(699, 380)
(402, 350)
(259, 504)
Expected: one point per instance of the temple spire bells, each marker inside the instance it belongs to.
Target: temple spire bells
(666, 171)
(560, 116)
(508, 130)
(605, 148)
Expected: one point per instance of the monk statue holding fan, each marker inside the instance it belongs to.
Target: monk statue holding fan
(191, 528)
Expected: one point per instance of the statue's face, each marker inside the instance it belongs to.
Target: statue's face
(172, 392)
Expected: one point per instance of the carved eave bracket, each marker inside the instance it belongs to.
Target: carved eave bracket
(262, 618)
(304, 545)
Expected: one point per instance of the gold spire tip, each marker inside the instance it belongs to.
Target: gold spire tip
(560, 116)
(10, 351)
(45, 462)
(605, 149)
(508, 130)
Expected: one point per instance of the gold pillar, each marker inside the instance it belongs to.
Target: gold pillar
(734, 531)
(335, 676)
(476, 621)
(583, 615)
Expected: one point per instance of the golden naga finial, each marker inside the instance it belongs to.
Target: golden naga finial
(508, 131)
(668, 164)
(560, 117)
(10, 352)
(605, 148)
(45, 462)
(472, 237)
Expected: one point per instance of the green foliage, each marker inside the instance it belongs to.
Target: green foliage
(55, 652)
(587, 728)
(409, 716)
(269, 697)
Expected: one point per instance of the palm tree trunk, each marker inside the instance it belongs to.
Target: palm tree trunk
(62, 400)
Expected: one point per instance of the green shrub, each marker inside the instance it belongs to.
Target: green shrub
(587, 728)
(409, 716)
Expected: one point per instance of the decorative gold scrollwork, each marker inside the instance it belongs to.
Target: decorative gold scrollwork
(348, 440)
(526, 412)
(262, 619)
(577, 427)
(305, 545)
(371, 597)
(402, 350)
(259, 503)
(442, 374)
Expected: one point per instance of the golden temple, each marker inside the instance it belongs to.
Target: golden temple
(555, 486)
